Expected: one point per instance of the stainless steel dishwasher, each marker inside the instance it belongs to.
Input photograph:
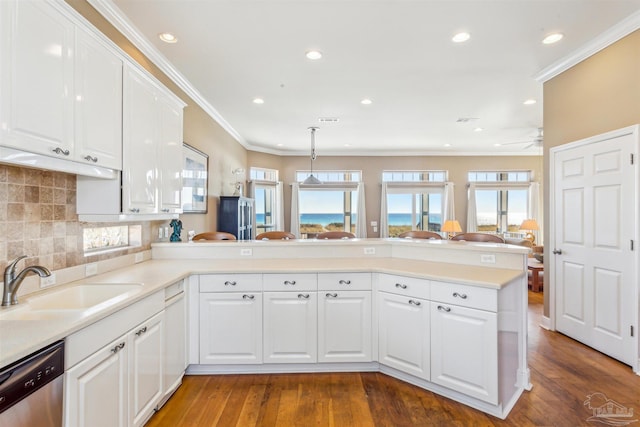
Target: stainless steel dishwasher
(31, 389)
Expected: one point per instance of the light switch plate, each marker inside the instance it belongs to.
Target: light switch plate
(91, 269)
(139, 257)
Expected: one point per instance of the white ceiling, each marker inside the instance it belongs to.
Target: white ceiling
(398, 53)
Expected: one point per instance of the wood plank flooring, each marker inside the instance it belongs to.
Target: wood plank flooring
(563, 373)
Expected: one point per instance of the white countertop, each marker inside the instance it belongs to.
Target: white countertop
(19, 338)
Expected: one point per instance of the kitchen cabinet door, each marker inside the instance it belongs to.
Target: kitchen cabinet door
(344, 326)
(98, 103)
(141, 122)
(231, 328)
(96, 388)
(145, 369)
(403, 328)
(175, 342)
(36, 106)
(290, 327)
(170, 156)
(464, 350)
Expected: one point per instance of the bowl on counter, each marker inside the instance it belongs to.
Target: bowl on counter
(538, 256)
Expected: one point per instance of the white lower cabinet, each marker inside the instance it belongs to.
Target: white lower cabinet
(231, 327)
(403, 333)
(96, 388)
(290, 327)
(120, 384)
(344, 326)
(464, 350)
(175, 338)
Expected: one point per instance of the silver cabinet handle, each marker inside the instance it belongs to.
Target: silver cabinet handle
(557, 251)
(141, 331)
(414, 302)
(290, 282)
(230, 283)
(334, 295)
(90, 158)
(59, 150)
(245, 296)
(401, 286)
(117, 348)
(165, 210)
(457, 295)
(305, 296)
(442, 308)
(134, 210)
(345, 282)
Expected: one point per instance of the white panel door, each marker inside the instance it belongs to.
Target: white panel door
(230, 328)
(290, 327)
(36, 106)
(464, 350)
(344, 326)
(404, 334)
(594, 196)
(98, 104)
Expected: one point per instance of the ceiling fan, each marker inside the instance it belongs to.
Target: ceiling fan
(534, 142)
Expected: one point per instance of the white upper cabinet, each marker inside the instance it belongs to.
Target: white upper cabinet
(36, 110)
(170, 157)
(61, 88)
(98, 103)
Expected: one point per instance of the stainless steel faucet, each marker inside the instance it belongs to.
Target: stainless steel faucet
(12, 281)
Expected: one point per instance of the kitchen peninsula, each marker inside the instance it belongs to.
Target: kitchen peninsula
(446, 316)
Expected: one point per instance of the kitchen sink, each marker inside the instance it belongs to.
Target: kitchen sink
(82, 297)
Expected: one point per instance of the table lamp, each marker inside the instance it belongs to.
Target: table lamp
(451, 226)
(529, 225)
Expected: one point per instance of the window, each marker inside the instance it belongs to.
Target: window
(414, 200)
(501, 200)
(330, 206)
(104, 239)
(265, 194)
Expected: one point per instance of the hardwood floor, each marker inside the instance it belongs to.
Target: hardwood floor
(563, 373)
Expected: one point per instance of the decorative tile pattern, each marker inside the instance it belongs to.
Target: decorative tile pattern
(38, 219)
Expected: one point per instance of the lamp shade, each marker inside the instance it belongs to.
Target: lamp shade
(529, 224)
(451, 226)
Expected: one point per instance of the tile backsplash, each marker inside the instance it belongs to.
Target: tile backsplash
(38, 218)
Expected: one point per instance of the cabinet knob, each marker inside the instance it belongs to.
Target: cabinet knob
(230, 283)
(249, 297)
(290, 282)
(457, 295)
(90, 159)
(345, 282)
(165, 210)
(414, 302)
(305, 296)
(134, 210)
(334, 295)
(442, 308)
(59, 150)
(557, 251)
(141, 331)
(401, 286)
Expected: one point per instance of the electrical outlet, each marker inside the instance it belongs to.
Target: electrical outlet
(246, 252)
(139, 257)
(166, 232)
(160, 233)
(45, 282)
(488, 258)
(91, 269)
(369, 251)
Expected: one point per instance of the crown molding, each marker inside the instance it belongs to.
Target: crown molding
(605, 39)
(119, 20)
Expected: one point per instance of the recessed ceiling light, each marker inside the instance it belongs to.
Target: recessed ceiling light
(447, 145)
(314, 55)
(347, 145)
(497, 145)
(478, 129)
(328, 119)
(366, 101)
(461, 37)
(552, 38)
(168, 38)
(258, 101)
(529, 102)
(279, 145)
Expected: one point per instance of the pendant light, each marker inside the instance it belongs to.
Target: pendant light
(312, 180)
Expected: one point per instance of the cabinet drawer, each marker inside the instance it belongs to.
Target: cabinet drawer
(401, 285)
(290, 282)
(344, 281)
(465, 295)
(230, 282)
